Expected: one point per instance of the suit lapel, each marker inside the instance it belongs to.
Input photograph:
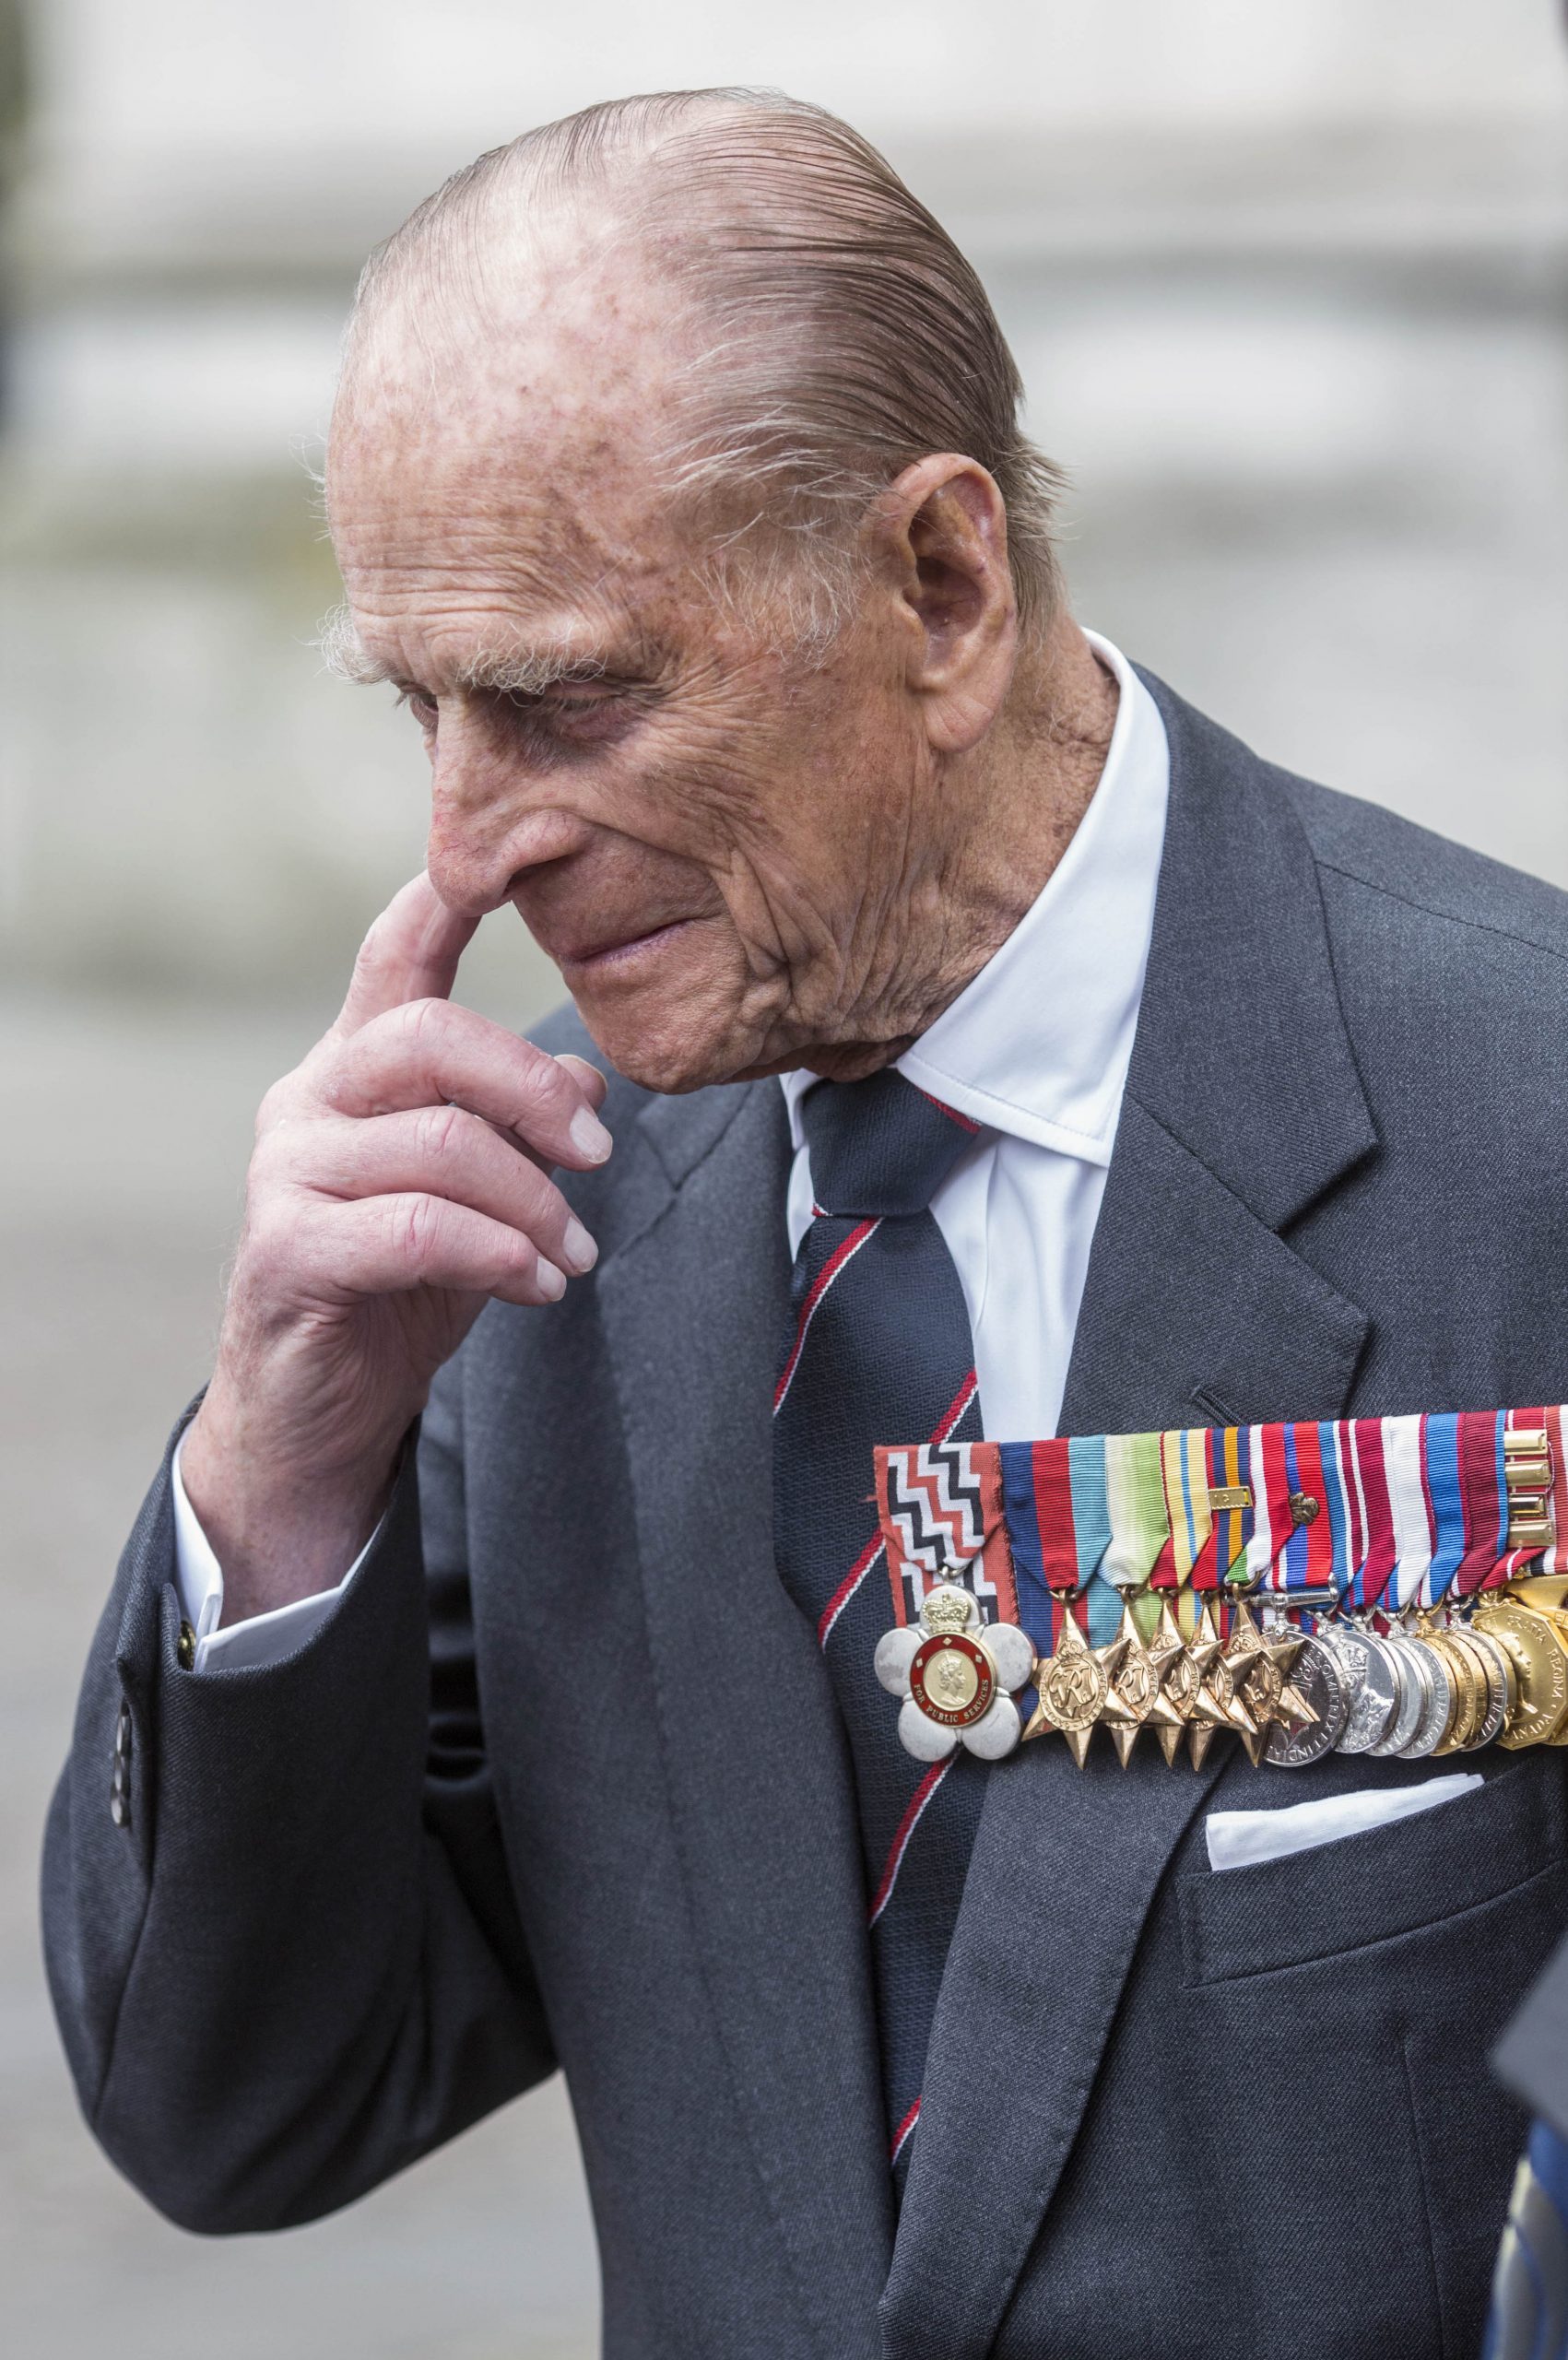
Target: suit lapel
(1242, 1105)
(695, 1303)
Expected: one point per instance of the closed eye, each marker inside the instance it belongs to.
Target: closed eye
(568, 713)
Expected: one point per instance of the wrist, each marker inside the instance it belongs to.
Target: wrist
(282, 1524)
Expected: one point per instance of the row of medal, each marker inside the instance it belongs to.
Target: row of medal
(1434, 1685)
(1271, 1621)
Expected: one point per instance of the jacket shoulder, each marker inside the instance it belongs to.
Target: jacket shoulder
(1419, 874)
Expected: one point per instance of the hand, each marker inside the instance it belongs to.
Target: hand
(400, 1178)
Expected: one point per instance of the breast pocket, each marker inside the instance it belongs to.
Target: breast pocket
(1358, 1890)
(1348, 1998)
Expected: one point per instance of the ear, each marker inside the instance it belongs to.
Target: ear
(941, 531)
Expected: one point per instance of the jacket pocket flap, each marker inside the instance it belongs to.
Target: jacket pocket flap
(1368, 1887)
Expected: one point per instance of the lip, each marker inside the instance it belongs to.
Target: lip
(605, 958)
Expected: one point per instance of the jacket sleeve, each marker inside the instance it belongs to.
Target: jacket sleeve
(280, 1933)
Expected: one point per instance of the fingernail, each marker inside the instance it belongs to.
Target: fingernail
(550, 1281)
(589, 1136)
(578, 1249)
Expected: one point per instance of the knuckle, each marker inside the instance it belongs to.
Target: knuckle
(539, 1087)
(424, 1022)
(416, 1225)
(370, 957)
(267, 1164)
(444, 1133)
(278, 1105)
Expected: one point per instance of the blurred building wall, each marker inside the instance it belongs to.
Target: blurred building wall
(1287, 285)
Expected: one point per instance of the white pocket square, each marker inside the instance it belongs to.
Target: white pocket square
(1241, 1839)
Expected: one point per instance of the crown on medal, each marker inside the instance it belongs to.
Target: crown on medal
(948, 1607)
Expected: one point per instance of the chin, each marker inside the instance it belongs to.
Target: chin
(668, 1048)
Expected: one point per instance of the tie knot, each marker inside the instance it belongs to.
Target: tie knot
(879, 1146)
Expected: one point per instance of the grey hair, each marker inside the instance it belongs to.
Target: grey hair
(843, 337)
(510, 670)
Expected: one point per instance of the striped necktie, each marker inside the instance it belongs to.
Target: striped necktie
(879, 1347)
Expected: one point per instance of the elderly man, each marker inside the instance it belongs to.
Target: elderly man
(1093, 1076)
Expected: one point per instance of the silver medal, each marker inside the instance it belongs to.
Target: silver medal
(1320, 1676)
(1414, 1696)
(1376, 1691)
(1438, 1710)
(955, 1678)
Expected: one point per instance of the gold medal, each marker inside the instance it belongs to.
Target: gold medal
(1218, 1703)
(1178, 1681)
(1543, 1594)
(1260, 1663)
(952, 1679)
(1502, 1682)
(1075, 1687)
(1540, 1666)
(1138, 1687)
(1470, 1695)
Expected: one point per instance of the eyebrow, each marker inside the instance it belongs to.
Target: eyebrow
(509, 670)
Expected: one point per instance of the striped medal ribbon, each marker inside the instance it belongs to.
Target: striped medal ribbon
(1389, 1584)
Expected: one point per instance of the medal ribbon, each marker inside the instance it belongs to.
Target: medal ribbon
(1516, 1560)
(1184, 1472)
(1485, 1499)
(940, 1512)
(1555, 1559)
(1135, 1491)
(1402, 1459)
(1376, 1570)
(1059, 1525)
(1446, 1502)
(1230, 1463)
(1306, 1562)
(1409, 1510)
(1342, 1500)
(1271, 1523)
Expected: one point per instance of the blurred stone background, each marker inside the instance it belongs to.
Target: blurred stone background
(1287, 285)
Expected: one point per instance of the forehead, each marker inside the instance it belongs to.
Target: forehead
(506, 466)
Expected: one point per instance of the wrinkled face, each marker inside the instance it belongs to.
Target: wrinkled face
(725, 849)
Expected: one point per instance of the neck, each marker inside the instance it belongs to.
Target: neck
(1022, 791)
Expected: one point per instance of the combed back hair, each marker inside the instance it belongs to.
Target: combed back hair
(841, 336)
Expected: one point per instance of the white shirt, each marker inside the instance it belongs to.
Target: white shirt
(1035, 1049)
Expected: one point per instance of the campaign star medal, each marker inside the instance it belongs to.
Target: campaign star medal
(1139, 1689)
(1076, 1689)
(1181, 1676)
(1219, 1704)
(1260, 1664)
(956, 1677)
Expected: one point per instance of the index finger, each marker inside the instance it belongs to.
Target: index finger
(411, 952)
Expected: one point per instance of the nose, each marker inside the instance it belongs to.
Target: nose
(492, 820)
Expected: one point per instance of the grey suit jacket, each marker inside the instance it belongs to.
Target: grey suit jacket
(561, 1782)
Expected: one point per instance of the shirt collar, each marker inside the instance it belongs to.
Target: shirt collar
(1037, 1044)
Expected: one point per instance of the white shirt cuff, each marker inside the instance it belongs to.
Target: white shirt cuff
(261, 1639)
